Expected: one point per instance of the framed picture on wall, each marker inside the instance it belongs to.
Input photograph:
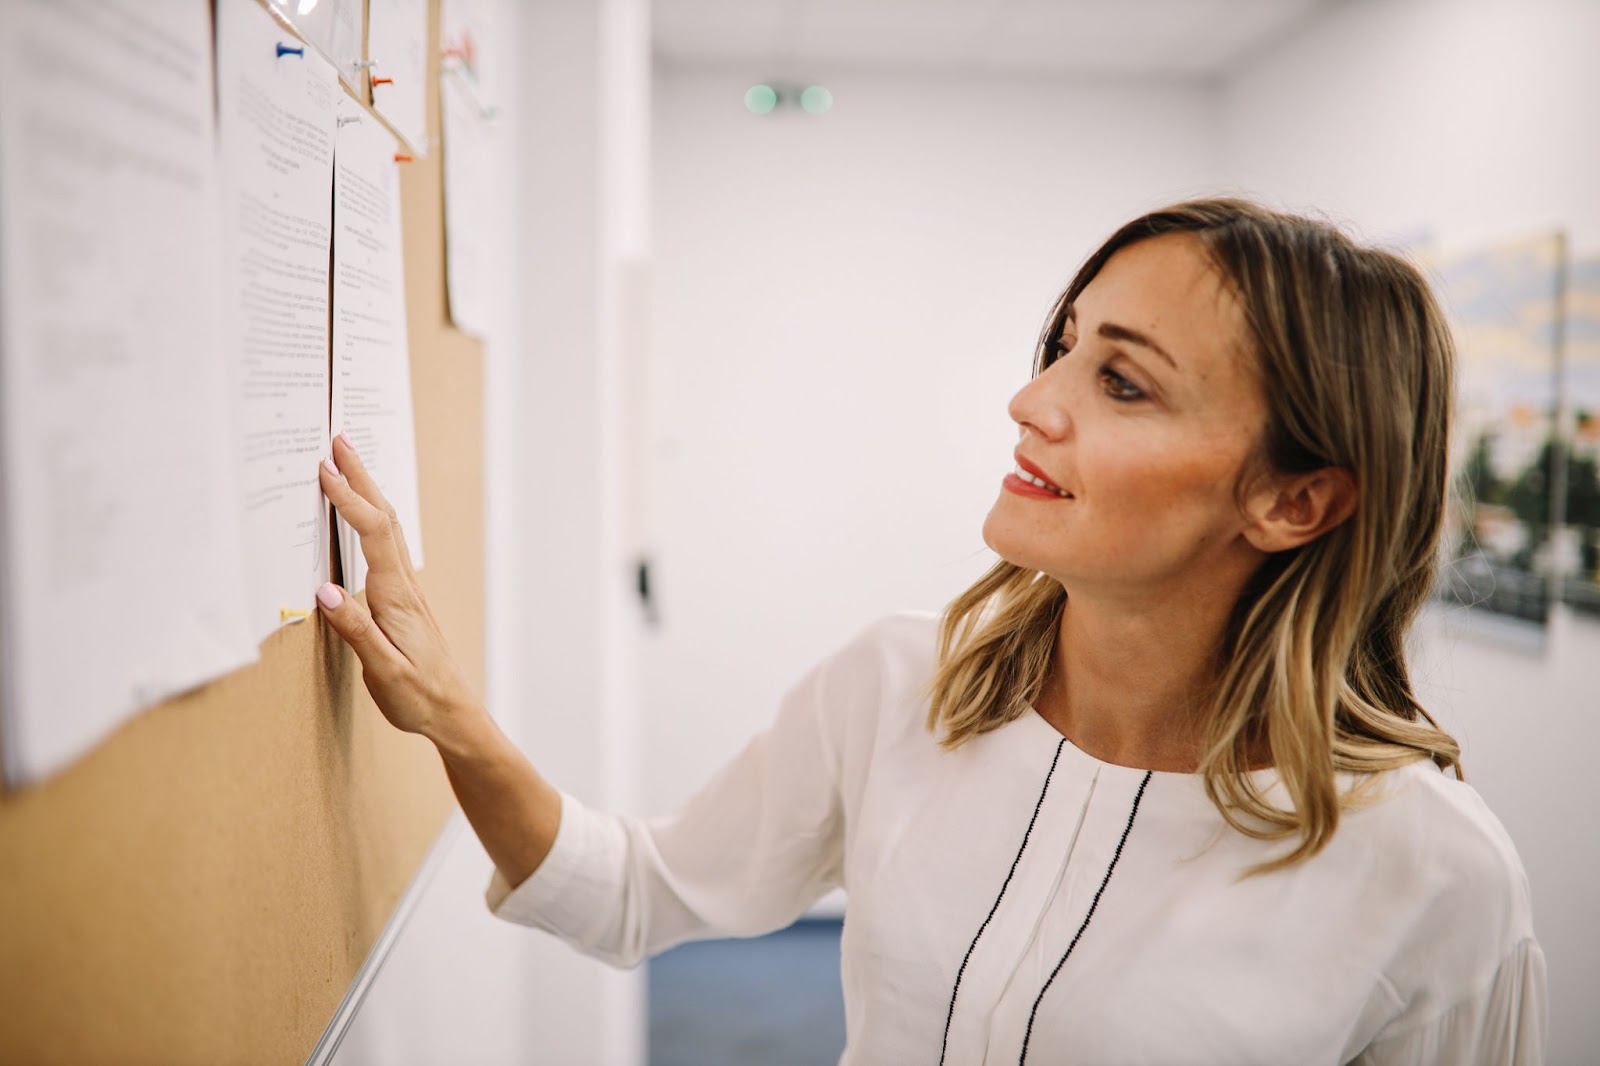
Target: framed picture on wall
(1580, 481)
(1504, 548)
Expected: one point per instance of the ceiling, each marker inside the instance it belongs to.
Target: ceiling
(1059, 38)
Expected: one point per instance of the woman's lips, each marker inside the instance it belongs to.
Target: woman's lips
(1030, 475)
(1014, 483)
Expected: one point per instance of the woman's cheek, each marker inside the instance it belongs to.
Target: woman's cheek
(1158, 492)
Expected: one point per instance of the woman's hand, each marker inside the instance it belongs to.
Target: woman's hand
(407, 667)
(418, 686)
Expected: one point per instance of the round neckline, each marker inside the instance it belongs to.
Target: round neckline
(1083, 759)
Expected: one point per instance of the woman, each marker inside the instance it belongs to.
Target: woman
(1156, 789)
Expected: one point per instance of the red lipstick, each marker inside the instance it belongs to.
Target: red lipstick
(1023, 487)
(1013, 483)
(1035, 471)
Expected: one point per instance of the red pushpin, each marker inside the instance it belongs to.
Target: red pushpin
(382, 81)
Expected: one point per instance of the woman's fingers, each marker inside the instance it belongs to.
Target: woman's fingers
(371, 521)
(352, 621)
(405, 663)
(349, 464)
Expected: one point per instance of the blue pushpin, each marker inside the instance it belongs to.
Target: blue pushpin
(285, 50)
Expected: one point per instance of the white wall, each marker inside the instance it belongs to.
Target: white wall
(843, 306)
(1477, 121)
(1475, 118)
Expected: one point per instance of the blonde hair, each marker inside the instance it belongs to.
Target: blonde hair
(1356, 362)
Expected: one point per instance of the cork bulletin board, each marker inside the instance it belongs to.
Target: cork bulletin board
(204, 886)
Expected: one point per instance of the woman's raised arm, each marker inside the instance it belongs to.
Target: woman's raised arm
(419, 686)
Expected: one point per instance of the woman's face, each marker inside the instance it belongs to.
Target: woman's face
(1146, 418)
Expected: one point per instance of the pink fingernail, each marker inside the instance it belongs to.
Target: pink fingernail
(348, 443)
(330, 596)
(328, 465)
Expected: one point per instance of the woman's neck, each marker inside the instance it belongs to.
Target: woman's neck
(1129, 686)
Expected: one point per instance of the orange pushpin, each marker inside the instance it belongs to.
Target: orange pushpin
(401, 157)
(382, 81)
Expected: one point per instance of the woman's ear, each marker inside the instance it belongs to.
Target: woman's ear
(1286, 511)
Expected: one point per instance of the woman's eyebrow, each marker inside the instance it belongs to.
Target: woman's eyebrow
(1113, 332)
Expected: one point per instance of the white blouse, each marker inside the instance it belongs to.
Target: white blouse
(1018, 900)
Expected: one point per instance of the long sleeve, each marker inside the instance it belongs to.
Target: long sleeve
(1503, 1025)
(748, 853)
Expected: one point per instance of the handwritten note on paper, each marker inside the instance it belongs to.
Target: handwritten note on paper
(277, 123)
(397, 46)
(119, 538)
(371, 360)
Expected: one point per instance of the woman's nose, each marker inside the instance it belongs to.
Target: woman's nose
(1042, 404)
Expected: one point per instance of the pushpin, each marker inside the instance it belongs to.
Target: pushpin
(382, 81)
(401, 157)
(289, 614)
(285, 50)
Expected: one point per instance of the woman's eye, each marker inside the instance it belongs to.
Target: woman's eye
(1118, 387)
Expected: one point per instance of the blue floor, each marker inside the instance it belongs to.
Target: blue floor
(774, 1000)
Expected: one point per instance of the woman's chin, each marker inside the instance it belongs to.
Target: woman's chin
(1010, 538)
(994, 533)
(1021, 551)
(1005, 543)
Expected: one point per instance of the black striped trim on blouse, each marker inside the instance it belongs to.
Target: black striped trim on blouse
(1132, 814)
(949, 1014)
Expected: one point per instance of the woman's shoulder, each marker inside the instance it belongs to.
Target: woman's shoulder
(902, 633)
(874, 687)
(896, 651)
(1447, 894)
(1430, 820)
(1435, 857)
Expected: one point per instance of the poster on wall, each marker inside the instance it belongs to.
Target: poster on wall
(1504, 304)
(1580, 530)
